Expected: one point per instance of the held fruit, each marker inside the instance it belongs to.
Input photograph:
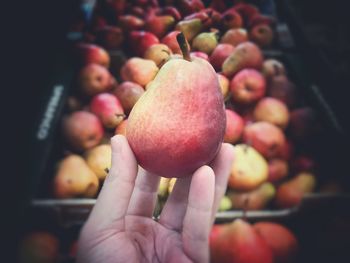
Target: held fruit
(169, 129)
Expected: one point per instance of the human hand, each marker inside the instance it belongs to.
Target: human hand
(120, 227)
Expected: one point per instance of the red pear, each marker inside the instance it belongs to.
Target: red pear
(245, 55)
(262, 35)
(176, 138)
(138, 70)
(130, 22)
(108, 108)
(219, 54)
(94, 79)
(272, 110)
(89, 53)
(281, 240)
(231, 19)
(159, 53)
(235, 36)
(171, 42)
(128, 94)
(187, 7)
(82, 130)
(140, 41)
(234, 127)
(278, 170)
(247, 86)
(265, 137)
(280, 87)
(159, 25)
(239, 242)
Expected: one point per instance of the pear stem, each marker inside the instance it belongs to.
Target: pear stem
(181, 40)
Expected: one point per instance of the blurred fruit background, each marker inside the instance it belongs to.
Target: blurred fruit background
(288, 190)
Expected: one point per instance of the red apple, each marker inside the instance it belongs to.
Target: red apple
(247, 86)
(247, 11)
(128, 93)
(108, 108)
(89, 53)
(281, 240)
(272, 110)
(234, 127)
(219, 54)
(94, 79)
(259, 19)
(140, 41)
(278, 170)
(171, 42)
(82, 130)
(265, 137)
(209, 18)
(169, 10)
(218, 5)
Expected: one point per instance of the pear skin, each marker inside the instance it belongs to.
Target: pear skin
(190, 28)
(99, 160)
(249, 170)
(138, 70)
(246, 55)
(205, 42)
(74, 178)
(163, 187)
(168, 128)
(253, 200)
(291, 192)
(238, 242)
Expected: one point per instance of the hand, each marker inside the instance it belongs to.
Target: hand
(120, 227)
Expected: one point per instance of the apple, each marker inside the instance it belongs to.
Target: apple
(265, 137)
(272, 68)
(272, 110)
(234, 127)
(159, 25)
(247, 86)
(130, 23)
(187, 7)
(287, 150)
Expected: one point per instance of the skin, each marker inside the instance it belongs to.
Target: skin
(120, 227)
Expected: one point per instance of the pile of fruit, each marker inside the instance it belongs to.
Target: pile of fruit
(265, 116)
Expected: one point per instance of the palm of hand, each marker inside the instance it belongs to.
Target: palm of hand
(127, 233)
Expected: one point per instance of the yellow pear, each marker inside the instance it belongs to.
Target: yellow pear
(99, 160)
(74, 178)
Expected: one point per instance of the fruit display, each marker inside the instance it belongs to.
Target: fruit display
(191, 75)
(178, 78)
